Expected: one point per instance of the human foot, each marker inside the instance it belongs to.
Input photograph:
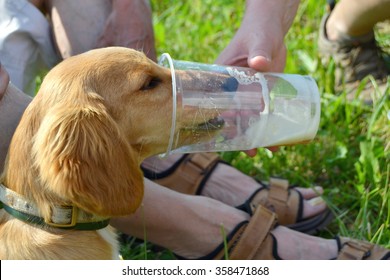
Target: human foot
(207, 175)
(293, 245)
(260, 239)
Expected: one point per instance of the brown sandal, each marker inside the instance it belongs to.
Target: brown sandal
(351, 249)
(189, 175)
(281, 198)
(253, 241)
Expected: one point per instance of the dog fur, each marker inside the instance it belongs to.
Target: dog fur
(81, 141)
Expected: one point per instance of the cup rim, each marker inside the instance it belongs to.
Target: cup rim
(163, 58)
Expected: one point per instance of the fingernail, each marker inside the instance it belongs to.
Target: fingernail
(260, 57)
(260, 62)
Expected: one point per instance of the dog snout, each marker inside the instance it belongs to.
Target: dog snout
(230, 85)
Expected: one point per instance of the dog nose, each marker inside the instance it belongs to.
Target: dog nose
(230, 85)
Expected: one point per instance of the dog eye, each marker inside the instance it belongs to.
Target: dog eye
(151, 84)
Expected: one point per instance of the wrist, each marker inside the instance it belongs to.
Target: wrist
(275, 12)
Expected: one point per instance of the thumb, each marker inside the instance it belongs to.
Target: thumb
(259, 62)
(260, 52)
(266, 60)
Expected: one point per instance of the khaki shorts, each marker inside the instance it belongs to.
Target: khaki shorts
(26, 45)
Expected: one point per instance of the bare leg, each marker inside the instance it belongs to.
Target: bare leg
(230, 186)
(192, 228)
(356, 17)
(192, 218)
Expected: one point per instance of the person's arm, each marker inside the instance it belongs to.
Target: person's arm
(130, 25)
(259, 42)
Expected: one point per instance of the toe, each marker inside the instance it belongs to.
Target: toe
(313, 207)
(313, 203)
(309, 193)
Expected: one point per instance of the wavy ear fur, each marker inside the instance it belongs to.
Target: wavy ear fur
(82, 156)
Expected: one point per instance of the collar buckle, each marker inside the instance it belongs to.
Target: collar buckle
(66, 216)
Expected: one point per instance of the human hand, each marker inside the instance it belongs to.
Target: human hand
(130, 25)
(4, 80)
(259, 42)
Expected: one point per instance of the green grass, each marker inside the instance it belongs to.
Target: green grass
(350, 155)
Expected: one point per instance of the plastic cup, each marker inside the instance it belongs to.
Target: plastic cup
(224, 108)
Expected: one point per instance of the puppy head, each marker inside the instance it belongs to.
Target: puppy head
(135, 92)
(95, 118)
(100, 115)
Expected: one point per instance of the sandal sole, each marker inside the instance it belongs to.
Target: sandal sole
(315, 224)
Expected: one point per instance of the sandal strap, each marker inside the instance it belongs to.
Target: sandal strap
(278, 198)
(278, 192)
(191, 174)
(282, 200)
(254, 241)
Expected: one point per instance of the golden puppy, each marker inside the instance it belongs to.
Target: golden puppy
(74, 159)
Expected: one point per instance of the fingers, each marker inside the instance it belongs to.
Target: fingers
(258, 53)
(251, 152)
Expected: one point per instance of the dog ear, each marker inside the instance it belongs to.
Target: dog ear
(82, 157)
